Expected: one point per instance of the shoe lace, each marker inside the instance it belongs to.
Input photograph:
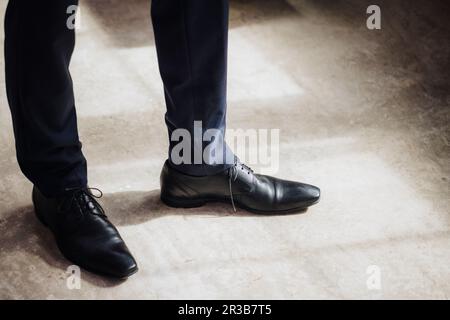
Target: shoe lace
(90, 206)
(233, 174)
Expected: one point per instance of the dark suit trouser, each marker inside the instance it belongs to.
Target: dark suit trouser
(191, 41)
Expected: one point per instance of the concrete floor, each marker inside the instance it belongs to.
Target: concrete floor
(363, 114)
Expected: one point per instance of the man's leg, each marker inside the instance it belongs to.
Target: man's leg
(191, 40)
(38, 48)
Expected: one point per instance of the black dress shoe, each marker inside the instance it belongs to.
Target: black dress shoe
(238, 185)
(84, 234)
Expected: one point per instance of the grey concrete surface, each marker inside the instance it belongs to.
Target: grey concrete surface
(363, 113)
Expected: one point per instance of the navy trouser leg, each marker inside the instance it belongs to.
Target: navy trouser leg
(191, 40)
(38, 48)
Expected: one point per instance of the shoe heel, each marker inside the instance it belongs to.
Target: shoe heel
(182, 202)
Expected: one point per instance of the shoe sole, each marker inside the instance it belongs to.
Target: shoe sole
(196, 203)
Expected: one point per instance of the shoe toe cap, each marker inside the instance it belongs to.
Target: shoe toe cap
(116, 262)
(109, 258)
(298, 195)
(313, 193)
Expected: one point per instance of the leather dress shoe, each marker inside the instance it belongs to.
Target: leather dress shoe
(238, 185)
(83, 233)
